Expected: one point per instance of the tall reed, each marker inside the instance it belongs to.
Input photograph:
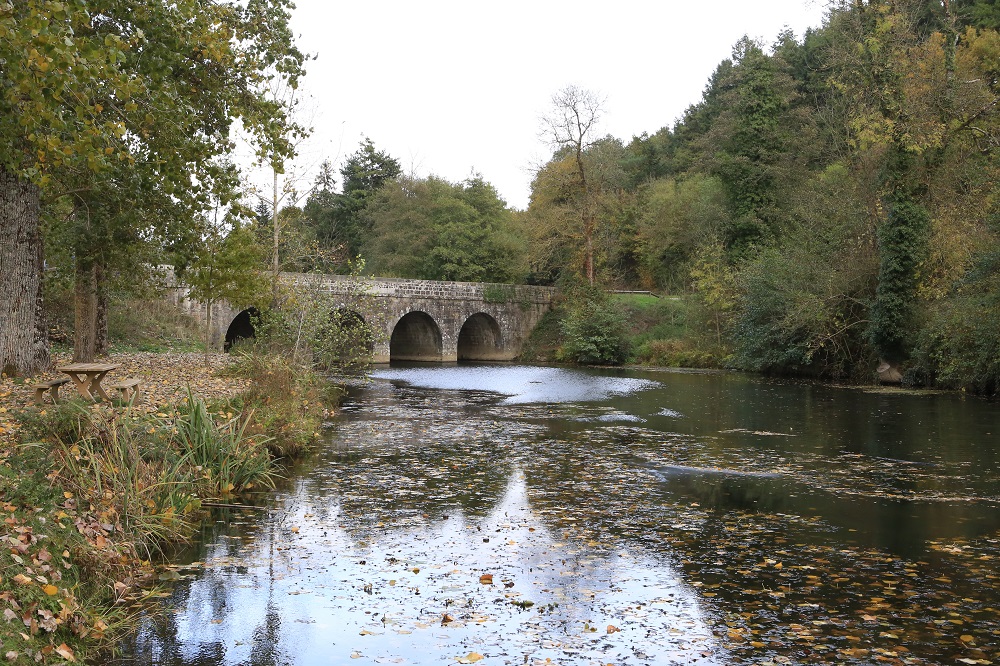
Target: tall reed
(224, 456)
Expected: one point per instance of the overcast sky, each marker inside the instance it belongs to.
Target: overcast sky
(453, 87)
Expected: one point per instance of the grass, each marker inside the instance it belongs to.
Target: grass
(545, 340)
(90, 496)
(152, 326)
(149, 325)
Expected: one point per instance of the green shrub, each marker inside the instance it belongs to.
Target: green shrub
(802, 310)
(286, 402)
(674, 354)
(959, 347)
(67, 421)
(595, 333)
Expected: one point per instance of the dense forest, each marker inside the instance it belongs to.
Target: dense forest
(830, 204)
(828, 208)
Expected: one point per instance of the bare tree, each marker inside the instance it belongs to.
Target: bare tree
(571, 126)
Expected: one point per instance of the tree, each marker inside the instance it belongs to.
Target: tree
(435, 230)
(676, 220)
(337, 218)
(575, 231)
(149, 85)
(922, 104)
(226, 267)
(571, 127)
(750, 146)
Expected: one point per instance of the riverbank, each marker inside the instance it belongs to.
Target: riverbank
(89, 492)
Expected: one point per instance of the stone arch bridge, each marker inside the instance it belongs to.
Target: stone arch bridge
(422, 320)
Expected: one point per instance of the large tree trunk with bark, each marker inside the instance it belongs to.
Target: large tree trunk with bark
(24, 347)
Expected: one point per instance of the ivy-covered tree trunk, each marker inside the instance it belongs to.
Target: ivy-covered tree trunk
(23, 340)
(902, 246)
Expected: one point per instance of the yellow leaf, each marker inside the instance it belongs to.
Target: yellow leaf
(21, 579)
(50, 590)
(470, 658)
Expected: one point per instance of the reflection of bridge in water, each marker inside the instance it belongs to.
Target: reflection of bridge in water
(422, 320)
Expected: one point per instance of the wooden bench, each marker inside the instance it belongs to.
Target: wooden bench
(129, 389)
(51, 386)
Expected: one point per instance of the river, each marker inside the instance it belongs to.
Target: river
(500, 514)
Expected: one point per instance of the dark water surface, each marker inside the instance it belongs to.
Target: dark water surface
(534, 515)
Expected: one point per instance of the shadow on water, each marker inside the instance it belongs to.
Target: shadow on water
(526, 514)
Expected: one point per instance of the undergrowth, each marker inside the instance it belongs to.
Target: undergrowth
(91, 495)
(665, 332)
(287, 402)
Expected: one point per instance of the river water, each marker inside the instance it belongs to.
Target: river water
(535, 515)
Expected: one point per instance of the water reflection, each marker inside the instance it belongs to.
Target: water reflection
(302, 588)
(521, 384)
(652, 518)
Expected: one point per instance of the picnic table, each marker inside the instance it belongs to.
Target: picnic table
(87, 377)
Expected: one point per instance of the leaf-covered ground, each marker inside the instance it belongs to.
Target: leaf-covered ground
(166, 377)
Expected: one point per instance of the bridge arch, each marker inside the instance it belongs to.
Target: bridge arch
(480, 339)
(416, 337)
(241, 328)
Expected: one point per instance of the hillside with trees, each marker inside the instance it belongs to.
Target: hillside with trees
(830, 205)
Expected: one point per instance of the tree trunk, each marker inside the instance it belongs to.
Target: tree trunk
(208, 330)
(24, 345)
(101, 325)
(85, 308)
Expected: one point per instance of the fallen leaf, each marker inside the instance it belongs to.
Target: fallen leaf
(486, 579)
(65, 652)
(470, 658)
(612, 629)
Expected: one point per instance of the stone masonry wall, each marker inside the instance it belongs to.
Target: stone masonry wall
(383, 302)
